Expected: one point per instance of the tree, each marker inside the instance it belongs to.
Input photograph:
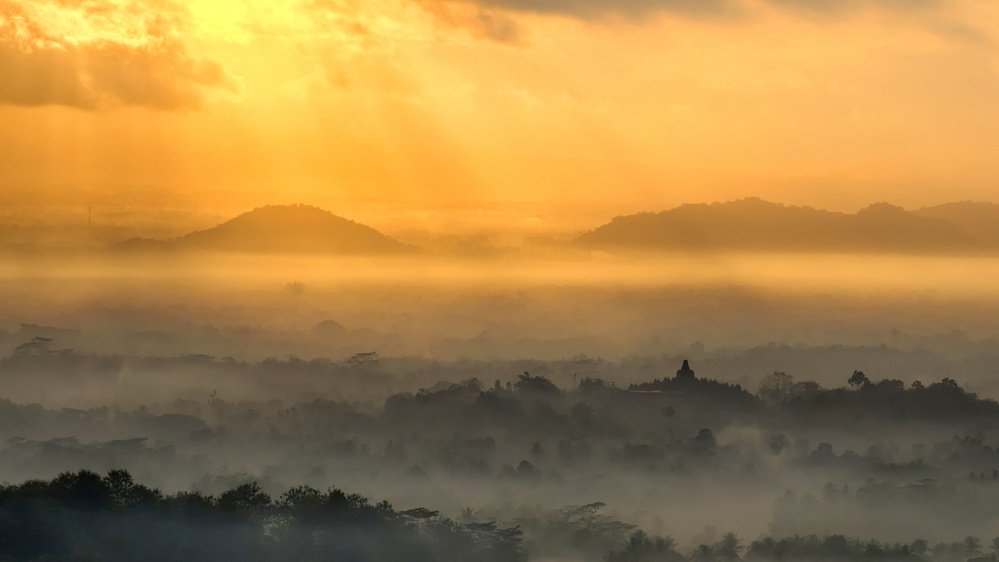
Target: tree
(669, 412)
(891, 385)
(643, 548)
(950, 383)
(84, 490)
(703, 553)
(728, 548)
(972, 546)
(776, 388)
(859, 380)
(365, 363)
(527, 383)
(705, 438)
(592, 385)
(582, 414)
(246, 499)
(126, 493)
(296, 288)
(83, 516)
(537, 451)
(37, 346)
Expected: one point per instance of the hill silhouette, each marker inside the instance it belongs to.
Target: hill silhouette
(980, 219)
(753, 224)
(295, 229)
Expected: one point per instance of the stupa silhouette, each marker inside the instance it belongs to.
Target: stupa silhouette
(685, 373)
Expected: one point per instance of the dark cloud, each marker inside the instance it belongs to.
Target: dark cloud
(152, 69)
(837, 7)
(497, 27)
(487, 24)
(589, 9)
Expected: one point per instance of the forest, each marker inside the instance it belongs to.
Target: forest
(672, 466)
(86, 516)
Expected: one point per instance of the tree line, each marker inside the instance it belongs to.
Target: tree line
(808, 548)
(85, 516)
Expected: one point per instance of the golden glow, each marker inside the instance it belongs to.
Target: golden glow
(421, 104)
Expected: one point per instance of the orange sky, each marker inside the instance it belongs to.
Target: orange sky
(603, 106)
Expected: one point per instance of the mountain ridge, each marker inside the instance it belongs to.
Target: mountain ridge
(748, 224)
(293, 229)
(753, 224)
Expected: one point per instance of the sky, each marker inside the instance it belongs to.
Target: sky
(433, 108)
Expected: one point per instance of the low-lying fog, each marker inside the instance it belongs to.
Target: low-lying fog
(204, 372)
(426, 307)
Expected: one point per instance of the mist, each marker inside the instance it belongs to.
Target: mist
(499, 281)
(539, 399)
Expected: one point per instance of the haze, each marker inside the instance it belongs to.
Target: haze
(499, 280)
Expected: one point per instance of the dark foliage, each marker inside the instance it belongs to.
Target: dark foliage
(84, 516)
(834, 547)
(890, 400)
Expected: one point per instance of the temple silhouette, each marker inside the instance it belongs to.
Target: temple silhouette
(685, 373)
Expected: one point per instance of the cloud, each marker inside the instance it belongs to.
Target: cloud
(841, 6)
(497, 27)
(94, 54)
(592, 9)
(482, 23)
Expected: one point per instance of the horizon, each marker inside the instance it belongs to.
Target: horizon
(516, 215)
(509, 227)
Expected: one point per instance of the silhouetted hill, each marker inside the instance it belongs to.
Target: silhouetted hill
(978, 218)
(295, 229)
(142, 245)
(754, 224)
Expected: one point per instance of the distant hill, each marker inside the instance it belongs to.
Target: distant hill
(756, 225)
(979, 219)
(281, 229)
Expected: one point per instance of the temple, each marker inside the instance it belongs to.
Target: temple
(685, 373)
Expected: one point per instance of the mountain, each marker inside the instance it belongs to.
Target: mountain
(756, 225)
(281, 229)
(980, 219)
